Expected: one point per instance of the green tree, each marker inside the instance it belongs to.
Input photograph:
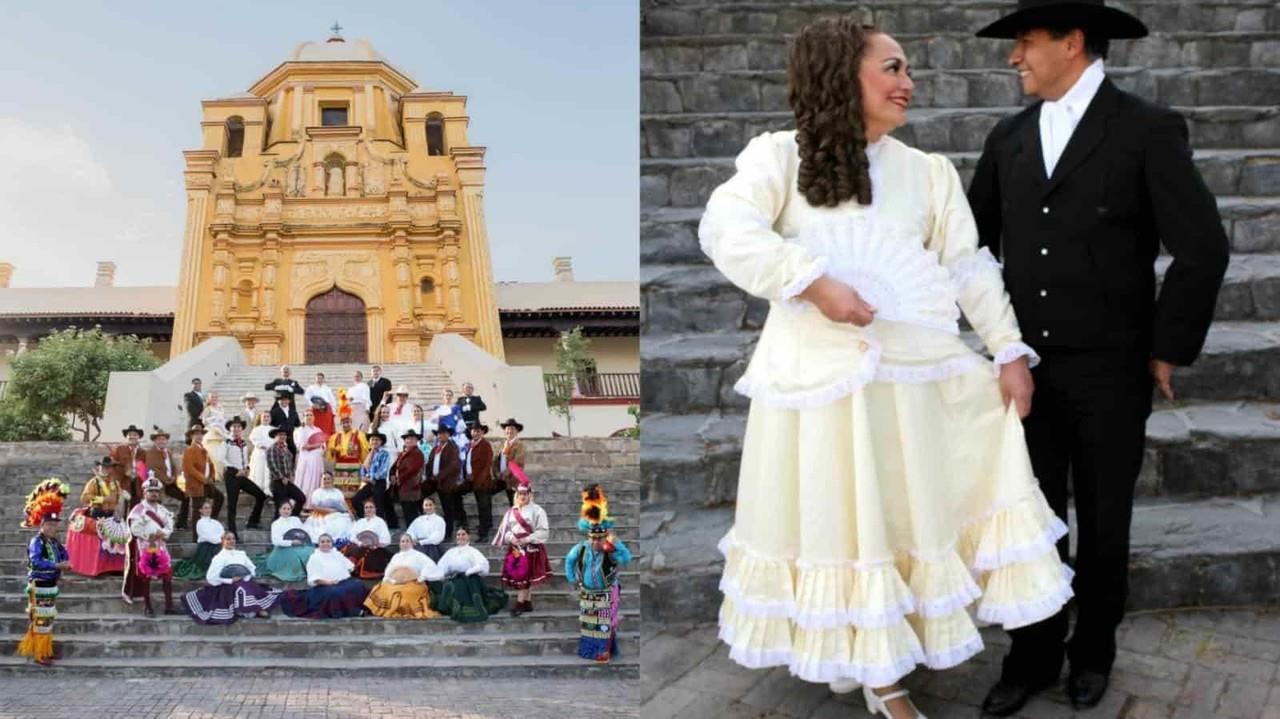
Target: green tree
(573, 359)
(65, 376)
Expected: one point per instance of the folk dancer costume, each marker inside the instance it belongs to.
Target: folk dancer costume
(151, 525)
(523, 532)
(375, 473)
(367, 549)
(235, 476)
(595, 574)
(463, 595)
(1076, 196)
(281, 467)
(477, 468)
(428, 531)
(334, 601)
(329, 515)
(444, 477)
(407, 483)
(346, 450)
(161, 462)
(322, 414)
(311, 443)
(209, 533)
(291, 546)
(259, 472)
(512, 453)
(230, 591)
(197, 474)
(403, 593)
(130, 464)
(97, 535)
(45, 557)
(924, 478)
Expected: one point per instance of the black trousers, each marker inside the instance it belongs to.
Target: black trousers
(455, 515)
(235, 485)
(376, 489)
(411, 509)
(484, 507)
(1086, 434)
(184, 508)
(281, 491)
(210, 491)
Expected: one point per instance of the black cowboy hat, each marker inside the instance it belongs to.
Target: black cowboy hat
(379, 435)
(484, 428)
(276, 430)
(133, 428)
(158, 433)
(195, 428)
(511, 422)
(235, 420)
(107, 462)
(443, 428)
(411, 433)
(1091, 15)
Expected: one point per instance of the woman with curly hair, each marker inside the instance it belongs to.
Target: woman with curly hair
(884, 484)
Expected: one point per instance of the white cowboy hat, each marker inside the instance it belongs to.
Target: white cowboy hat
(402, 390)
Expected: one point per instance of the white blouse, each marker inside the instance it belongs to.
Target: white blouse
(427, 529)
(331, 499)
(377, 525)
(209, 530)
(417, 561)
(221, 560)
(330, 565)
(464, 560)
(282, 525)
(509, 529)
(260, 438)
(358, 394)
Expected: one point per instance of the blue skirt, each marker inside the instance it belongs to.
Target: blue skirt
(344, 599)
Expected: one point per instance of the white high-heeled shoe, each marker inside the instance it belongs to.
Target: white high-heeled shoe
(844, 686)
(876, 703)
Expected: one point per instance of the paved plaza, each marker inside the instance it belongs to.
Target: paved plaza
(316, 698)
(1204, 664)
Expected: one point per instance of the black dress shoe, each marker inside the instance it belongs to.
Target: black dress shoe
(1085, 688)
(1008, 697)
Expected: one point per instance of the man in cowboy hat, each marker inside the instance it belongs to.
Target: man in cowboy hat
(197, 469)
(401, 411)
(280, 467)
(235, 477)
(284, 416)
(444, 477)
(161, 463)
(477, 467)
(374, 474)
(406, 477)
(1076, 193)
(101, 494)
(249, 412)
(512, 453)
(128, 457)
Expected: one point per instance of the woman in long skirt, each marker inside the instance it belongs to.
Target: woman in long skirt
(231, 591)
(403, 593)
(329, 512)
(370, 538)
(523, 533)
(333, 592)
(261, 440)
(209, 542)
(463, 595)
(291, 546)
(310, 441)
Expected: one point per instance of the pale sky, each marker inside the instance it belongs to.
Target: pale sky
(100, 99)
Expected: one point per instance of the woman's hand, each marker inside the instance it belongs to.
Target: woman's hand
(839, 302)
(1017, 386)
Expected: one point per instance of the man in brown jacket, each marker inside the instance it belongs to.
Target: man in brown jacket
(512, 453)
(126, 457)
(444, 472)
(196, 468)
(478, 469)
(161, 462)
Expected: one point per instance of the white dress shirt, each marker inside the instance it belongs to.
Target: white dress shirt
(358, 394)
(330, 565)
(236, 456)
(427, 529)
(209, 530)
(420, 563)
(1059, 118)
(464, 560)
(222, 559)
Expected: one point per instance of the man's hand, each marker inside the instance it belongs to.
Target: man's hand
(839, 302)
(1017, 386)
(1162, 373)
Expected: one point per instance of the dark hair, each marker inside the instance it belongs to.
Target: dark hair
(1096, 44)
(826, 96)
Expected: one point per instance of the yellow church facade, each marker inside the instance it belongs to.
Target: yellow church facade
(335, 213)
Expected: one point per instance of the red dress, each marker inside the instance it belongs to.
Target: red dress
(90, 554)
(324, 421)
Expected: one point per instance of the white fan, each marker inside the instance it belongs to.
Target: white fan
(889, 267)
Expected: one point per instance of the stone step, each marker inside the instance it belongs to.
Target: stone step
(1211, 552)
(1250, 290)
(688, 182)
(1204, 449)
(933, 16)
(539, 622)
(1240, 361)
(725, 133)
(927, 48)
(624, 667)
(559, 598)
(732, 90)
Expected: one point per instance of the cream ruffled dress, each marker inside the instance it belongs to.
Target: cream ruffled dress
(886, 497)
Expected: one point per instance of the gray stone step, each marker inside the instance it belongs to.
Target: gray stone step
(1212, 552)
(958, 50)
(626, 668)
(730, 90)
(932, 16)
(539, 622)
(1250, 291)
(1240, 361)
(688, 182)
(1204, 449)
(725, 133)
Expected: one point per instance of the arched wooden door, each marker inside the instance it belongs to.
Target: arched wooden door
(336, 328)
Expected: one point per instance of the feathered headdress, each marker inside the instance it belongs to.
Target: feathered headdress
(522, 479)
(595, 519)
(344, 407)
(45, 502)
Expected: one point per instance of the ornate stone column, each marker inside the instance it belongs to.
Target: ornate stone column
(471, 171)
(296, 336)
(199, 176)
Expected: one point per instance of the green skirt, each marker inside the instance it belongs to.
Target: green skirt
(198, 565)
(466, 599)
(288, 564)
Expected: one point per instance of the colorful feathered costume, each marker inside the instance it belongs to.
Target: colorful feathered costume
(45, 557)
(592, 565)
(347, 450)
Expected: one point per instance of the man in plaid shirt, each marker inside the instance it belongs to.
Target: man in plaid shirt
(280, 466)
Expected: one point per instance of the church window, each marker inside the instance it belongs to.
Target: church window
(435, 135)
(427, 286)
(235, 136)
(330, 116)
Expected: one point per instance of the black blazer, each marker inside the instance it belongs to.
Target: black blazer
(290, 422)
(470, 408)
(1079, 247)
(194, 404)
(293, 383)
(377, 390)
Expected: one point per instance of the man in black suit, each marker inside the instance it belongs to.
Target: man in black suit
(284, 416)
(379, 388)
(284, 382)
(470, 405)
(193, 401)
(1076, 193)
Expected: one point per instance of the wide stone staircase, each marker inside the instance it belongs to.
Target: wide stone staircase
(1207, 527)
(425, 380)
(99, 635)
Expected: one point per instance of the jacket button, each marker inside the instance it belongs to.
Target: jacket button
(1045, 333)
(863, 346)
(1044, 250)
(1045, 210)
(1044, 293)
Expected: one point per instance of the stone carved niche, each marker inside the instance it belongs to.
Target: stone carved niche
(354, 271)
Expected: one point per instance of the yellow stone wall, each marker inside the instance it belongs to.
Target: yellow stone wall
(361, 207)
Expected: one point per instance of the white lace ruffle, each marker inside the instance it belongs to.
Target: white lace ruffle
(924, 374)
(1013, 351)
(801, 283)
(954, 656)
(1021, 614)
(759, 390)
(966, 268)
(987, 560)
